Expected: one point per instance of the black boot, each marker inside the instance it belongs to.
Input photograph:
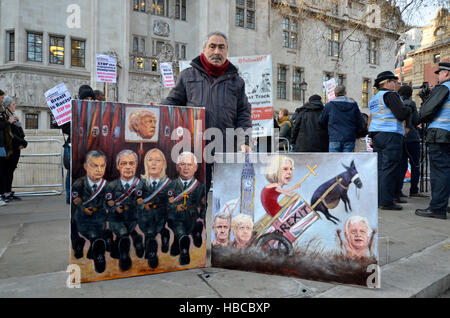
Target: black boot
(165, 239)
(98, 253)
(79, 246)
(184, 250)
(138, 244)
(108, 240)
(90, 253)
(197, 234)
(151, 250)
(115, 249)
(175, 248)
(124, 251)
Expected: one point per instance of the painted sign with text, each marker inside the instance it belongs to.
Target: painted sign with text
(59, 101)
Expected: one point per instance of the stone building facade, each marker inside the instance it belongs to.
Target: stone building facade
(44, 43)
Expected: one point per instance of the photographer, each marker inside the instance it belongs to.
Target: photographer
(436, 110)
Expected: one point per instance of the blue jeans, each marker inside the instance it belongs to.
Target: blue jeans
(342, 146)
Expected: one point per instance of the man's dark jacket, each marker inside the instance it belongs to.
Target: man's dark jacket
(343, 118)
(308, 135)
(224, 98)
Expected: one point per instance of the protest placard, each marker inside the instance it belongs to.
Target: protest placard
(59, 101)
(106, 67)
(330, 85)
(167, 74)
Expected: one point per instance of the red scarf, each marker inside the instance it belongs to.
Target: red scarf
(213, 70)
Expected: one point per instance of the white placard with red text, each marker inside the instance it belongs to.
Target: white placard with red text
(106, 67)
(167, 74)
(59, 101)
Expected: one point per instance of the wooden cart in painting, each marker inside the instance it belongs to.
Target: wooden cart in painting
(277, 234)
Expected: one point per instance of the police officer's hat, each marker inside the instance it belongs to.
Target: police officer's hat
(443, 67)
(386, 75)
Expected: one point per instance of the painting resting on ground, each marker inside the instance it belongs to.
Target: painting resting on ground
(136, 207)
(312, 216)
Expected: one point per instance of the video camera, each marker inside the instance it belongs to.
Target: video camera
(425, 91)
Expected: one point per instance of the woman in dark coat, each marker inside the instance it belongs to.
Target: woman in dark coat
(308, 135)
(18, 143)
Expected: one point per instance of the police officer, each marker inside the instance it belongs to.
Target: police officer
(152, 205)
(436, 110)
(387, 130)
(121, 197)
(187, 208)
(88, 209)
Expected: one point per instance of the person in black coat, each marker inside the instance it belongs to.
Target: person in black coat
(308, 135)
(18, 143)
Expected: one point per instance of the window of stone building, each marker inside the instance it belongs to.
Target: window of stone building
(31, 121)
(245, 14)
(282, 82)
(34, 47)
(289, 38)
(439, 31)
(372, 51)
(11, 38)
(436, 58)
(56, 50)
(139, 5)
(296, 80)
(335, 8)
(180, 51)
(340, 79)
(138, 44)
(334, 39)
(180, 10)
(160, 7)
(365, 92)
(78, 53)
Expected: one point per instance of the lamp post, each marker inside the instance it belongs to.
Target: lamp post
(303, 86)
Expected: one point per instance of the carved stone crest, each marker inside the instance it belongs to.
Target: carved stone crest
(161, 28)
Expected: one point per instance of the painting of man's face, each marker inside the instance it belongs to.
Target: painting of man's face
(142, 124)
(357, 235)
(147, 127)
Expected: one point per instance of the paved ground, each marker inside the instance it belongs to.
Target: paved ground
(34, 254)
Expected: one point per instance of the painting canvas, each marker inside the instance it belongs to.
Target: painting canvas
(312, 216)
(137, 207)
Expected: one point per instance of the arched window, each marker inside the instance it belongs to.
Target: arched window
(439, 31)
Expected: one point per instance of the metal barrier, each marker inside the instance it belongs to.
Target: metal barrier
(41, 169)
(285, 149)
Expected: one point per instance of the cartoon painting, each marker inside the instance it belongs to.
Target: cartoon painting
(137, 208)
(314, 216)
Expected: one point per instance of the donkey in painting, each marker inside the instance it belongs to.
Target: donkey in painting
(329, 196)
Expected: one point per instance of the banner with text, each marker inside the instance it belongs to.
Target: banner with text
(256, 71)
(167, 74)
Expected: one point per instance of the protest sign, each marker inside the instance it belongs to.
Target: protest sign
(59, 101)
(167, 74)
(106, 67)
(330, 85)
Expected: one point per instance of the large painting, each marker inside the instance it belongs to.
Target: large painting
(313, 216)
(137, 207)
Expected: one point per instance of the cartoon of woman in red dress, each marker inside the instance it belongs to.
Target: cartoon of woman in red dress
(279, 172)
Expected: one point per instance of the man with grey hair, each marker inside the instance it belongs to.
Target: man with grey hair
(121, 196)
(222, 228)
(344, 120)
(213, 82)
(186, 208)
(89, 215)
